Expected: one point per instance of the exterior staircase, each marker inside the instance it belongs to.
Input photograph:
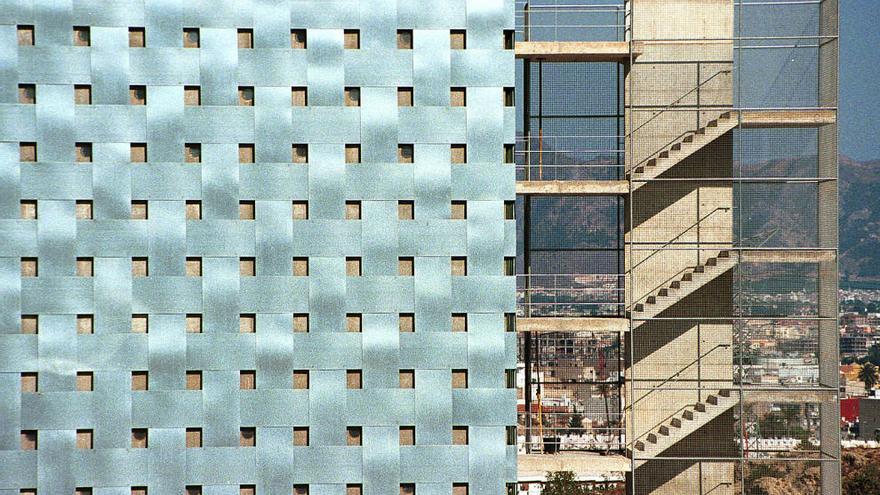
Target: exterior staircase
(690, 281)
(684, 148)
(683, 424)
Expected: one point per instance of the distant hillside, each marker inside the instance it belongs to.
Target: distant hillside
(859, 220)
(793, 219)
(790, 223)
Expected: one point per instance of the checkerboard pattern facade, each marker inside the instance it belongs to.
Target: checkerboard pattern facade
(256, 247)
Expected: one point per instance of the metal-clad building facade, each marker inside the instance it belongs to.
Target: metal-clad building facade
(210, 251)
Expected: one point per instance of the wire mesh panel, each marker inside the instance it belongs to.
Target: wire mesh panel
(571, 261)
(563, 20)
(776, 289)
(792, 222)
(777, 352)
(789, 152)
(795, 476)
(673, 476)
(778, 53)
(570, 391)
(731, 244)
(573, 125)
(784, 429)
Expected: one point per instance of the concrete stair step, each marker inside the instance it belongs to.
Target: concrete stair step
(684, 148)
(690, 420)
(690, 281)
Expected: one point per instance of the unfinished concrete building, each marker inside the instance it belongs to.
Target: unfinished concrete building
(677, 225)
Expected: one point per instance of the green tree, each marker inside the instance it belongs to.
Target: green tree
(868, 375)
(575, 422)
(874, 355)
(562, 483)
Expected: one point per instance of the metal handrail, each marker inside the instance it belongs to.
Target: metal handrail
(603, 157)
(524, 26)
(695, 88)
(663, 148)
(524, 138)
(685, 231)
(570, 275)
(766, 239)
(539, 298)
(721, 484)
(667, 380)
(669, 107)
(526, 152)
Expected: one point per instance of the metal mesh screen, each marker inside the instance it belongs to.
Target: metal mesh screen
(570, 390)
(730, 236)
(777, 353)
(573, 124)
(562, 20)
(571, 262)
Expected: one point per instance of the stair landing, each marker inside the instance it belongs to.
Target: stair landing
(575, 51)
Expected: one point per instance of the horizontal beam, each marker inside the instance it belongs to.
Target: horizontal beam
(572, 187)
(787, 118)
(573, 51)
(789, 396)
(786, 256)
(586, 466)
(586, 324)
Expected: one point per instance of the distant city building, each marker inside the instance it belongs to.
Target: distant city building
(853, 346)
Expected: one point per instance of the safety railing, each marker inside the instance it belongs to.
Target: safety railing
(571, 21)
(571, 431)
(697, 106)
(695, 367)
(570, 295)
(662, 249)
(551, 158)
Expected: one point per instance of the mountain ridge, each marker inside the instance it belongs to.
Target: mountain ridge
(859, 193)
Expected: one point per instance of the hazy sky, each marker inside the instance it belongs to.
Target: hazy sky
(860, 79)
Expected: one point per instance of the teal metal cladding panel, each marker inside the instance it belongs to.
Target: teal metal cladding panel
(167, 296)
